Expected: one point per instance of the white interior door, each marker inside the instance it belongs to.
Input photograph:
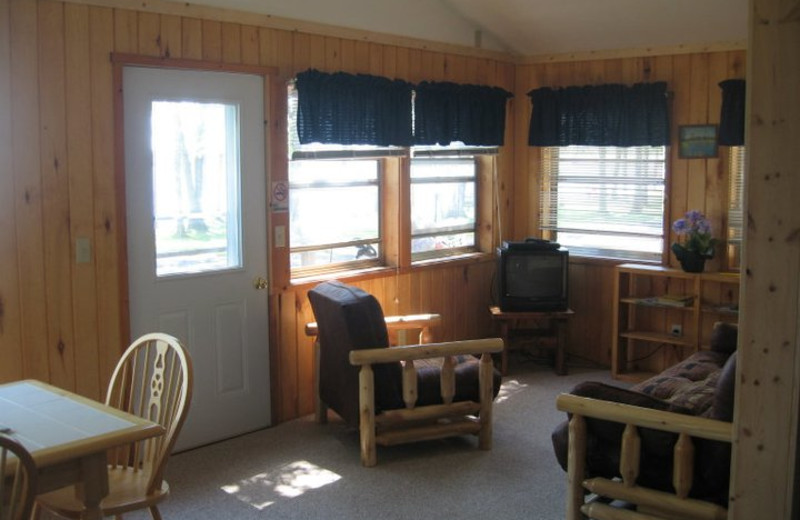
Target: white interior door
(197, 238)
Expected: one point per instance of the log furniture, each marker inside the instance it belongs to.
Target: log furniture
(153, 381)
(663, 446)
(396, 326)
(399, 394)
(546, 323)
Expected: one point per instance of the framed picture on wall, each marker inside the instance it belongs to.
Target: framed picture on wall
(697, 141)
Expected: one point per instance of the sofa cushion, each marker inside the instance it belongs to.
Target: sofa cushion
(724, 337)
(722, 408)
(690, 384)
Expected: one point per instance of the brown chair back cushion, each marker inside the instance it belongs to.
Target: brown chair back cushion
(348, 319)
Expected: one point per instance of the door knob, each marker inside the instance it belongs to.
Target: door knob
(260, 283)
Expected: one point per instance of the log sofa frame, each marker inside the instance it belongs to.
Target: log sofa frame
(651, 504)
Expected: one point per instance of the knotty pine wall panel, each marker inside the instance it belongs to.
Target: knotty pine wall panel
(71, 318)
(693, 184)
(67, 323)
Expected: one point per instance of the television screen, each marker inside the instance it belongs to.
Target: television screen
(533, 277)
(537, 276)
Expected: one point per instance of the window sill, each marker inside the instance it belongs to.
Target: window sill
(604, 260)
(354, 275)
(466, 258)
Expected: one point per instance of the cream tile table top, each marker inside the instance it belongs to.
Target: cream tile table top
(68, 436)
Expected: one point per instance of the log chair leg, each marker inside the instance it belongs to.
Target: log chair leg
(486, 396)
(321, 409)
(366, 428)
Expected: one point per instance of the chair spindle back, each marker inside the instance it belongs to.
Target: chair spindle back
(152, 380)
(17, 480)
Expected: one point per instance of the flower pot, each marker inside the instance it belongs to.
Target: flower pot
(691, 261)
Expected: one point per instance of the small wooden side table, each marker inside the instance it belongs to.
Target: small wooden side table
(509, 321)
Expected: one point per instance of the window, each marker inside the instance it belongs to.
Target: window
(736, 161)
(357, 206)
(335, 214)
(334, 203)
(196, 180)
(443, 206)
(605, 201)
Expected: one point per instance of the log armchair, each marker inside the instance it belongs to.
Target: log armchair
(399, 394)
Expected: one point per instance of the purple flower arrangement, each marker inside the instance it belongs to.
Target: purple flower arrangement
(694, 234)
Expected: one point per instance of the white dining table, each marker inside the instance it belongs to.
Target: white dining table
(68, 436)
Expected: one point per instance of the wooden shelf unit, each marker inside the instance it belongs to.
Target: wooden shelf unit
(642, 344)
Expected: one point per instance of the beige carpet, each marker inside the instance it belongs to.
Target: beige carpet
(301, 470)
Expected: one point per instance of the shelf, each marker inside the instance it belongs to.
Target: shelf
(642, 317)
(720, 309)
(656, 337)
(658, 270)
(649, 302)
(721, 277)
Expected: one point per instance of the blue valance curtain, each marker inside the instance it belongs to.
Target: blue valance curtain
(731, 120)
(448, 112)
(343, 108)
(601, 115)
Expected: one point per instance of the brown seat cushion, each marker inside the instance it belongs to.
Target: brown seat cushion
(467, 372)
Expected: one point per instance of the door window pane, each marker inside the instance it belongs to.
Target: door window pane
(196, 195)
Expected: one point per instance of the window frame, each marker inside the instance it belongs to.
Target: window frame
(475, 179)
(547, 215)
(379, 260)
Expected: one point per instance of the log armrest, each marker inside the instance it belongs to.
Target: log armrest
(421, 322)
(650, 503)
(480, 423)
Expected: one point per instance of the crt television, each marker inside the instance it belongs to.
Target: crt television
(533, 276)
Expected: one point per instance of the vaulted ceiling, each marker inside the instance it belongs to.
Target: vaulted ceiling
(526, 27)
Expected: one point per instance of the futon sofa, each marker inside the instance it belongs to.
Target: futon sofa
(701, 386)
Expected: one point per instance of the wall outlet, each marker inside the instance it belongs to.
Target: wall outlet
(676, 329)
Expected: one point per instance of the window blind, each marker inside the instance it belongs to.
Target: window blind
(736, 163)
(605, 201)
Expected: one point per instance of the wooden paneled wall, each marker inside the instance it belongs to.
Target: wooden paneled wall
(693, 184)
(65, 322)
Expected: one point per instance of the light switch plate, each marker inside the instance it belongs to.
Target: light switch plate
(280, 236)
(83, 250)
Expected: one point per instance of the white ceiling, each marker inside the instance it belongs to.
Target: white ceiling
(526, 27)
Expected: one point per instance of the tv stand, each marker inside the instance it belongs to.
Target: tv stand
(546, 323)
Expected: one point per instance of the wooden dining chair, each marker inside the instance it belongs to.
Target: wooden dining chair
(17, 480)
(153, 380)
